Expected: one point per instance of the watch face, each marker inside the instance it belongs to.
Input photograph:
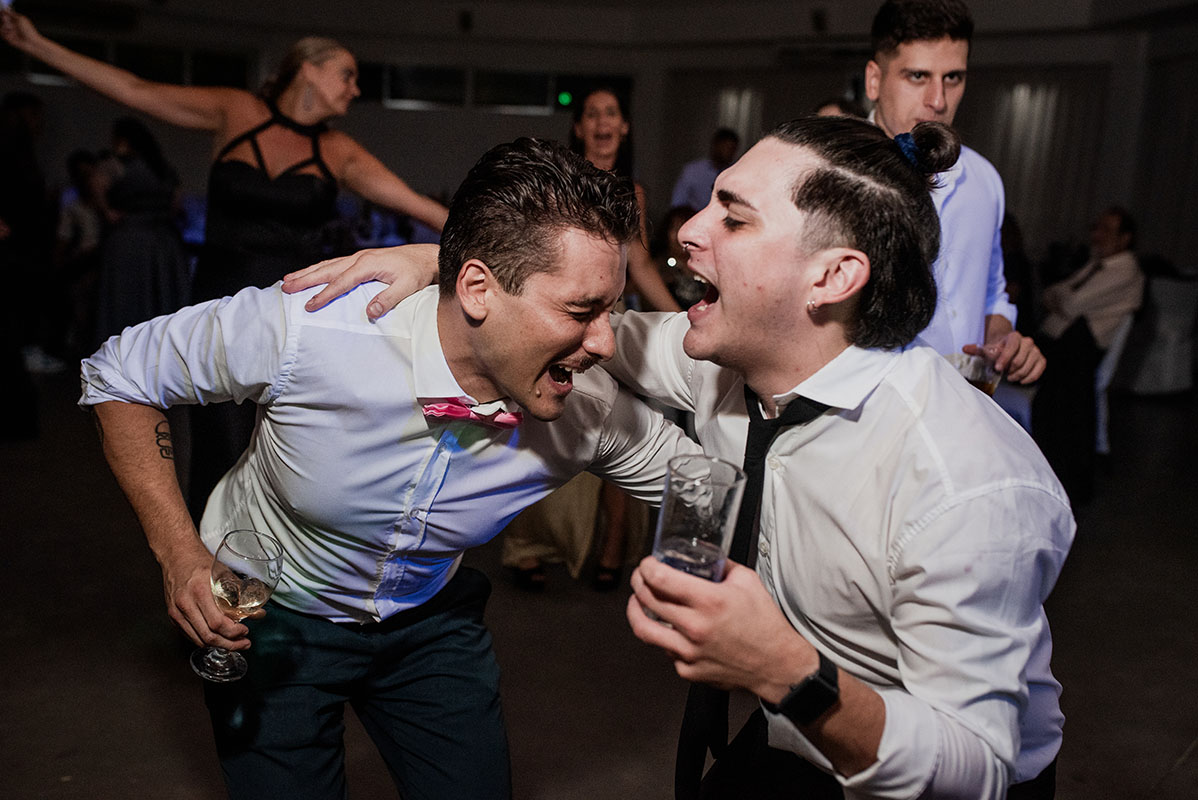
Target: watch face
(811, 699)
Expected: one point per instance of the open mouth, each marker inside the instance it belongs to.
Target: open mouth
(711, 296)
(561, 375)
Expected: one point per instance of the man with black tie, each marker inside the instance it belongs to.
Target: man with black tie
(893, 627)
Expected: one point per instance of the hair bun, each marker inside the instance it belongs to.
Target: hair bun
(939, 146)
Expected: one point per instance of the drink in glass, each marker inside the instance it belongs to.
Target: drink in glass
(245, 570)
(698, 515)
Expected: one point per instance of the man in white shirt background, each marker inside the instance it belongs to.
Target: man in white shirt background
(917, 74)
(382, 452)
(1081, 316)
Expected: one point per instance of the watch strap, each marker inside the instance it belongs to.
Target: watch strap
(809, 699)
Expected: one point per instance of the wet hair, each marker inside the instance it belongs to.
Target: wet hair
(623, 166)
(515, 202)
(869, 195)
(309, 50)
(900, 21)
(143, 144)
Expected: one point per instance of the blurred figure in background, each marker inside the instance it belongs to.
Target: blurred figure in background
(143, 268)
(82, 222)
(693, 187)
(671, 257)
(24, 257)
(1081, 317)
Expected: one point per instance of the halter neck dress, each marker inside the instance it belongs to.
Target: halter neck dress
(258, 229)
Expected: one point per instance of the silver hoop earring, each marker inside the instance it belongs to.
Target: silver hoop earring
(812, 307)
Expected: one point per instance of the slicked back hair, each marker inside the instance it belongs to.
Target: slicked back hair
(867, 195)
(518, 199)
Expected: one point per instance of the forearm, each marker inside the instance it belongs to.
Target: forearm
(138, 446)
(849, 733)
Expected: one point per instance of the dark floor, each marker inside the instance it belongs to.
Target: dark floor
(98, 700)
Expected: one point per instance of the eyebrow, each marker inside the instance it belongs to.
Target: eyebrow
(728, 198)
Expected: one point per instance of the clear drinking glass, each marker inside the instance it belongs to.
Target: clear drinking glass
(698, 515)
(245, 570)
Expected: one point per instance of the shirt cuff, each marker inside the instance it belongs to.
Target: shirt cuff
(919, 748)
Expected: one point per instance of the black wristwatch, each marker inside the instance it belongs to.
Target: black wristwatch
(810, 698)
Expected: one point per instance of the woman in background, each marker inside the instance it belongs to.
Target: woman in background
(562, 527)
(277, 166)
(143, 268)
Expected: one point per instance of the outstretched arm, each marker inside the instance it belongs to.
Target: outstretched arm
(186, 106)
(368, 177)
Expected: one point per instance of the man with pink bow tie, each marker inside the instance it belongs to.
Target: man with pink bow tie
(383, 450)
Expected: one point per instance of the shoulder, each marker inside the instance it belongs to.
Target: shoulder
(976, 167)
(971, 442)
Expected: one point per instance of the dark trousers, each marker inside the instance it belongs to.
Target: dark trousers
(1064, 411)
(424, 683)
(752, 770)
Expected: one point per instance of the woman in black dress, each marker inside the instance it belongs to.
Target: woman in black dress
(277, 166)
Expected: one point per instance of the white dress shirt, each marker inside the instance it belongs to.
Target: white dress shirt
(1104, 291)
(911, 534)
(373, 503)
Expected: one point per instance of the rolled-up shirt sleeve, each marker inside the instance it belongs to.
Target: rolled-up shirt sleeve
(235, 348)
(967, 611)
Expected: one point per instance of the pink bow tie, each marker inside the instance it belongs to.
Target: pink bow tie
(455, 410)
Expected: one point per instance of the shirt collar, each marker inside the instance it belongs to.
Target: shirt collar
(845, 381)
(431, 377)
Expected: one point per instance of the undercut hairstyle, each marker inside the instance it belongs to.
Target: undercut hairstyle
(515, 202)
(308, 50)
(867, 194)
(901, 21)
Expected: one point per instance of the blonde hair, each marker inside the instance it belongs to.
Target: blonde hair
(308, 50)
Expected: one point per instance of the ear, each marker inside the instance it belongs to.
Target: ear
(845, 273)
(873, 80)
(474, 287)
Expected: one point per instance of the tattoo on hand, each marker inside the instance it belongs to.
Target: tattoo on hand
(162, 436)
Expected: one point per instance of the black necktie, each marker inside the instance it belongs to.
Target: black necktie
(705, 721)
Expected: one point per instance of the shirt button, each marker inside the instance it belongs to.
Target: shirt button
(774, 462)
(763, 547)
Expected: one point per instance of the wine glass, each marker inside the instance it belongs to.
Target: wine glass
(245, 570)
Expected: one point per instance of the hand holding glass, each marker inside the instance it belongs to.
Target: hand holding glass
(977, 369)
(698, 515)
(245, 570)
